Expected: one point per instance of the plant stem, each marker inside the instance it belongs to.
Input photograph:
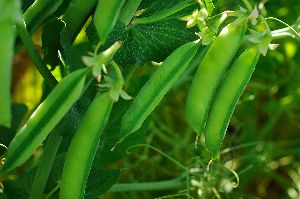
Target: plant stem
(45, 165)
(283, 34)
(118, 72)
(263, 20)
(269, 125)
(128, 10)
(248, 5)
(164, 14)
(290, 31)
(36, 59)
(52, 191)
(162, 153)
(147, 186)
(290, 28)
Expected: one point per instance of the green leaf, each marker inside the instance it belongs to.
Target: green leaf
(55, 38)
(146, 42)
(51, 41)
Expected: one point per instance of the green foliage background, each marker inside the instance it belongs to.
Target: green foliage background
(263, 140)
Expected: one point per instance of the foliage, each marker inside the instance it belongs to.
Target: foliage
(153, 47)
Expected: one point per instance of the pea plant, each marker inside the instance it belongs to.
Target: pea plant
(111, 71)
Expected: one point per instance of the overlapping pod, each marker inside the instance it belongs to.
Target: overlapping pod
(76, 14)
(210, 72)
(83, 148)
(44, 119)
(156, 87)
(105, 17)
(227, 97)
(7, 39)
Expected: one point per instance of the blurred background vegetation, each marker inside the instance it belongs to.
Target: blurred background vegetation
(261, 151)
(262, 144)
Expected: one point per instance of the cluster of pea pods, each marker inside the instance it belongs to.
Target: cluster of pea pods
(211, 99)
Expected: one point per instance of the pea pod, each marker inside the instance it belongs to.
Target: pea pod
(6, 55)
(83, 148)
(7, 40)
(105, 17)
(156, 87)
(210, 72)
(227, 97)
(76, 14)
(44, 119)
(38, 12)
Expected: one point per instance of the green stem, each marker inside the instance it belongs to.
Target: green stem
(290, 28)
(267, 129)
(295, 26)
(164, 14)
(244, 145)
(129, 10)
(52, 191)
(283, 34)
(263, 20)
(248, 5)
(77, 14)
(45, 165)
(36, 59)
(229, 13)
(129, 72)
(118, 72)
(162, 153)
(147, 186)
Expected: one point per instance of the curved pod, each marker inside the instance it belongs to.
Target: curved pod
(106, 16)
(44, 119)
(76, 14)
(7, 39)
(8, 17)
(83, 148)
(210, 72)
(227, 97)
(156, 87)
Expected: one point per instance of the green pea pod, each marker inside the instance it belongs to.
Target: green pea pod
(210, 72)
(227, 97)
(105, 17)
(76, 14)
(7, 37)
(44, 119)
(7, 40)
(156, 87)
(38, 12)
(83, 148)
